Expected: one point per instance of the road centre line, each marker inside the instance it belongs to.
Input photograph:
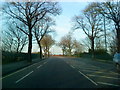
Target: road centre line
(88, 78)
(24, 77)
(102, 76)
(39, 66)
(18, 71)
(108, 84)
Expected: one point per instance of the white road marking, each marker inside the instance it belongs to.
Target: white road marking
(39, 66)
(88, 71)
(86, 68)
(108, 84)
(93, 71)
(102, 76)
(72, 66)
(101, 71)
(114, 72)
(23, 77)
(88, 78)
(18, 71)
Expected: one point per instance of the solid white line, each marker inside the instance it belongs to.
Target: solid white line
(102, 76)
(108, 84)
(39, 66)
(72, 66)
(23, 77)
(18, 71)
(88, 78)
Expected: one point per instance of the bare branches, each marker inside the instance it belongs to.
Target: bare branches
(14, 39)
(22, 30)
(111, 10)
(30, 13)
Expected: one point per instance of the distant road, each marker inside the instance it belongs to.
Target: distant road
(63, 72)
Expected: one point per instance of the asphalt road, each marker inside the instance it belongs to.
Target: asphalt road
(61, 72)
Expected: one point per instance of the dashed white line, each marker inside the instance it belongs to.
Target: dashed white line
(88, 78)
(24, 77)
(108, 84)
(39, 66)
(102, 76)
(72, 66)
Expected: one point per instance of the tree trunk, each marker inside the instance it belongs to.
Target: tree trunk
(48, 52)
(30, 46)
(118, 39)
(40, 51)
(63, 51)
(92, 47)
(69, 51)
(18, 47)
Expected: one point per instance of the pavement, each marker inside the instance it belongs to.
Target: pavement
(64, 72)
(12, 67)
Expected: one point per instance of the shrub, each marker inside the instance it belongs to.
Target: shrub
(8, 57)
(100, 51)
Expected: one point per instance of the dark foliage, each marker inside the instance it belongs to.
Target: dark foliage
(8, 57)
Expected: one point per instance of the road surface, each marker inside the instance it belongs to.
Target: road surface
(62, 72)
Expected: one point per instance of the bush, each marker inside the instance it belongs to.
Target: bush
(8, 57)
(100, 51)
(99, 54)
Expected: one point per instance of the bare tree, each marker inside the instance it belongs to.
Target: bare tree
(47, 42)
(78, 47)
(30, 13)
(111, 10)
(63, 45)
(7, 42)
(90, 24)
(112, 42)
(67, 44)
(86, 43)
(14, 39)
(99, 43)
(42, 28)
